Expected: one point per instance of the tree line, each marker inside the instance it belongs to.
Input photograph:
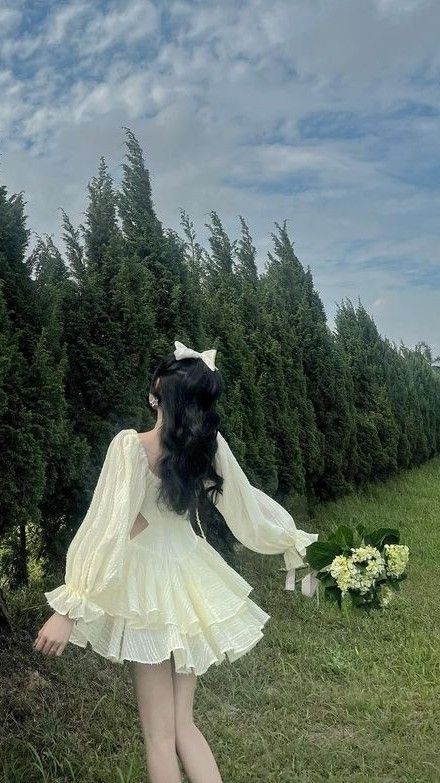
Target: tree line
(309, 412)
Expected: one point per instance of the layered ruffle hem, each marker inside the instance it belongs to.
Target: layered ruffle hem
(195, 606)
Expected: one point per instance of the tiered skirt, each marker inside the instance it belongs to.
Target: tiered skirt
(193, 605)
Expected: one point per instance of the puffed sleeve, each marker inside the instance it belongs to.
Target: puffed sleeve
(256, 519)
(95, 556)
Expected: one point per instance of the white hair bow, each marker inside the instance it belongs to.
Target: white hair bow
(183, 352)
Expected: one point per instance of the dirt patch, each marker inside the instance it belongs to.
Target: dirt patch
(328, 735)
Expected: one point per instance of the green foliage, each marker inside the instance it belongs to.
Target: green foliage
(343, 539)
(312, 414)
(381, 536)
(320, 553)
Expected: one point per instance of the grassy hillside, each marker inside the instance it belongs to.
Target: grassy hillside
(318, 699)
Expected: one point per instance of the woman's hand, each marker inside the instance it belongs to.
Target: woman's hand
(54, 634)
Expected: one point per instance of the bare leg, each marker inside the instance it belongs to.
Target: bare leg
(153, 687)
(192, 747)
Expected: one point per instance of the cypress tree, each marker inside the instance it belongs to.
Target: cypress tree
(325, 374)
(282, 286)
(377, 431)
(145, 241)
(22, 466)
(109, 322)
(261, 453)
(193, 326)
(66, 454)
(225, 319)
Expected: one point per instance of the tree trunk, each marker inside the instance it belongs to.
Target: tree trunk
(20, 577)
(5, 621)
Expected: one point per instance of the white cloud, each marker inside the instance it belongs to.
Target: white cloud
(60, 23)
(128, 22)
(398, 7)
(9, 19)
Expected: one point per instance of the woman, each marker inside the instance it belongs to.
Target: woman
(142, 586)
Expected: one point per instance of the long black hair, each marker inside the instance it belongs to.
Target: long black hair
(187, 393)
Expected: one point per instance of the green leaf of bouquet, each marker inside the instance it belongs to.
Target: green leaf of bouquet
(357, 539)
(342, 537)
(361, 529)
(326, 578)
(321, 553)
(381, 536)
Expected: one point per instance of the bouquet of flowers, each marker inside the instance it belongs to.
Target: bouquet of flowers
(360, 567)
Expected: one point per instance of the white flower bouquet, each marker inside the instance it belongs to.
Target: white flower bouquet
(360, 567)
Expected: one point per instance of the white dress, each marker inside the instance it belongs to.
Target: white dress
(167, 589)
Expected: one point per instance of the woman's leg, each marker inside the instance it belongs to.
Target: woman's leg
(192, 747)
(153, 687)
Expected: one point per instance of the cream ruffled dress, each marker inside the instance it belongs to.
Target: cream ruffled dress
(166, 589)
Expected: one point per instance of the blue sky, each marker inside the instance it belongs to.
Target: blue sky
(324, 113)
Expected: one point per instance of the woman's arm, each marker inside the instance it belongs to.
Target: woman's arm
(96, 554)
(256, 519)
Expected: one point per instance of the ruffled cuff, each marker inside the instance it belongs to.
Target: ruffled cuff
(76, 604)
(293, 559)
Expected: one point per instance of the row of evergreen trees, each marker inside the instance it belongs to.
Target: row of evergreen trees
(307, 411)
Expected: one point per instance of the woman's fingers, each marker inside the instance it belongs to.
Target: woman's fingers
(39, 641)
(48, 646)
(52, 648)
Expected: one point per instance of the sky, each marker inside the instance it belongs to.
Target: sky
(323, 113)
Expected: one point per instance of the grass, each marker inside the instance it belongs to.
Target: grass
(320, 698)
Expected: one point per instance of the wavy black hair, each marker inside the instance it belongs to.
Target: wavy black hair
(187, 393)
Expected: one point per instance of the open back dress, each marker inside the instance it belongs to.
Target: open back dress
(166, 589)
